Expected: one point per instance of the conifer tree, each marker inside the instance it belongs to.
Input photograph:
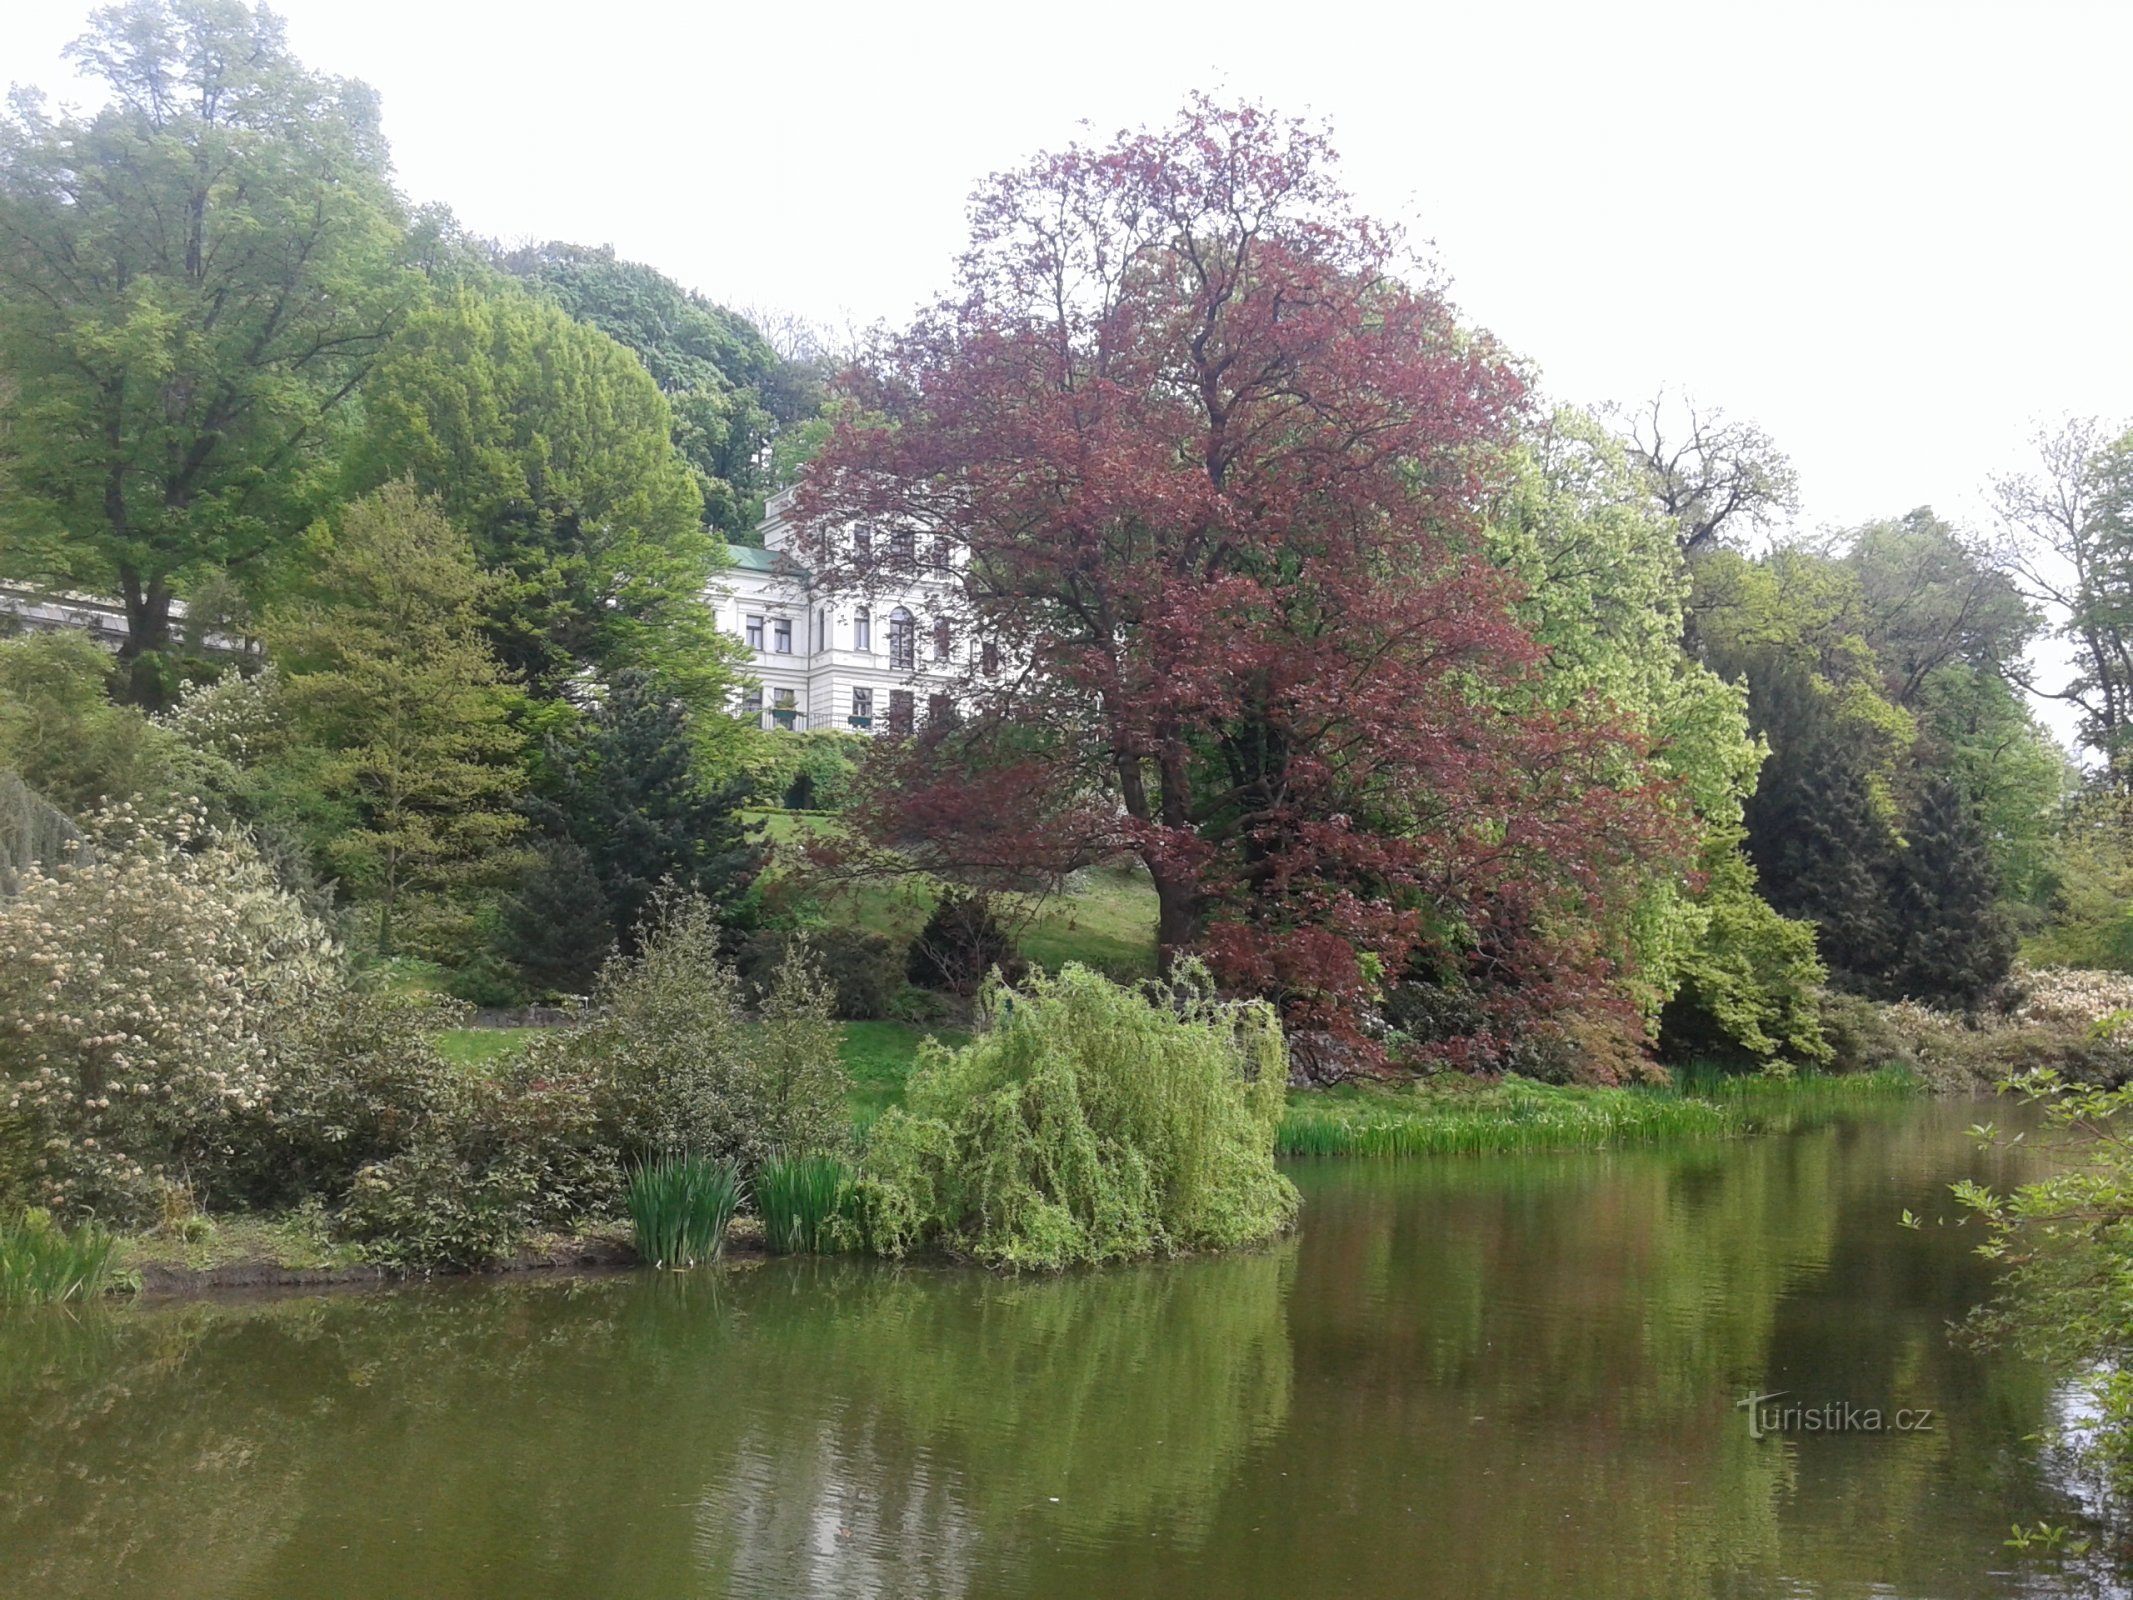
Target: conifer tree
(557, 927)
(623, 786)
(1955, 940)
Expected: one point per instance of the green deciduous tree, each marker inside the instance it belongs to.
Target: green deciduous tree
(193, 280)
(730, 391)
(405, 714)
(550, 444)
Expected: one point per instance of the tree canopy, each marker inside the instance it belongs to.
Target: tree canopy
(193, 281)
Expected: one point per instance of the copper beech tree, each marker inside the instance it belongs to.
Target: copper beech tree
(1210, 466)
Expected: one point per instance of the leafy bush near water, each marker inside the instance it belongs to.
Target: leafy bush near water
(1090, 1123)
(682, 1066)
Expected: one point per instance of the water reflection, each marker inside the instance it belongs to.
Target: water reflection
(1486, 1378)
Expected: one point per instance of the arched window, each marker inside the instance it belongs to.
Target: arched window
(863, 629)
(903, 640)
(940, 638)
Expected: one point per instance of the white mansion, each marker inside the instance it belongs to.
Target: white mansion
(877, 662)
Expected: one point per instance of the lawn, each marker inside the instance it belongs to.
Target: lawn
(1105, 920)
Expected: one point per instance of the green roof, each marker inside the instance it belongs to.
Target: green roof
(752, 557)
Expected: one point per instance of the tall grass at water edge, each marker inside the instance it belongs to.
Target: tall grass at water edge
(679, 1207)
(800, 1199)
(43, 1264)
(1516, 1116)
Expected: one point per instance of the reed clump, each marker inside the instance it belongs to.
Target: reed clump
(804, 1202)
(42, 1263)
(679, 1207)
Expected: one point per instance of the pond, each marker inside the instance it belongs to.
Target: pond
(1482, 1377)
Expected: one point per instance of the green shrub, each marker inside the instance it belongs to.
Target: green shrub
(802, 1201)
(512, 1153)
(144, 994)
(810, 771)
(1089, 1123)
(682, 1068)
(679, 1207)
(42, 1263)
(961, 944)
(865, 969)
(1750, 989)
(358, 1078)
(1861, 1036)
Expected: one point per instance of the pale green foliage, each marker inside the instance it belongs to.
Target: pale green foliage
(2066, 1243)
(404, 713)
(2092, 911)
(61, 732)
(1089, 1123)
(143, 997)
(1752, 978)
(683, 1070)
(1606, 591)
(192, 280)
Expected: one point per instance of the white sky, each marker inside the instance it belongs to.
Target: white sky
(1897, 235)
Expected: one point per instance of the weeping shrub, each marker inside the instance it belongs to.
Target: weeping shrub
(679, 1206)
(801, 1200)
(1089, 1123)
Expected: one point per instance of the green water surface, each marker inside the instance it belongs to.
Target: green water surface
(1462, 1378)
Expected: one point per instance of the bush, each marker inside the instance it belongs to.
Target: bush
(507, 1156)
(865, 970)
(1090, 1123)
(144, 998)
(1861, 1036)
(1749, 991)
(358, 1080)
(682, 1069)
(812, 771)
(961, 944)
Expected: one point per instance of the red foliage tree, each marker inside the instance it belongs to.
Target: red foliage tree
(1212, 466)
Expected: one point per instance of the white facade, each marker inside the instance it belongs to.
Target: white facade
(884, 661)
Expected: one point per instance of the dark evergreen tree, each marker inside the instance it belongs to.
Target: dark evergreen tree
(960, 944)
(622, 787)
(1821, 841)
(1956, 944)
(557, 928)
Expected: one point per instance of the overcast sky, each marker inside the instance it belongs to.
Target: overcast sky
(1897, 235)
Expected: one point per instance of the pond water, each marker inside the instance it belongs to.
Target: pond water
(1484, 1377)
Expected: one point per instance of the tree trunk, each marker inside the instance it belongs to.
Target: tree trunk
(147, 639)
(1177, 925)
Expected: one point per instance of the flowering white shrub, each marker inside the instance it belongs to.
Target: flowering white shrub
(143, 997)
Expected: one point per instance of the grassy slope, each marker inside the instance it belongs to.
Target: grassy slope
(1107, 921)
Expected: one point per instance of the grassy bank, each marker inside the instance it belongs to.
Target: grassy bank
(1462, 1118)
